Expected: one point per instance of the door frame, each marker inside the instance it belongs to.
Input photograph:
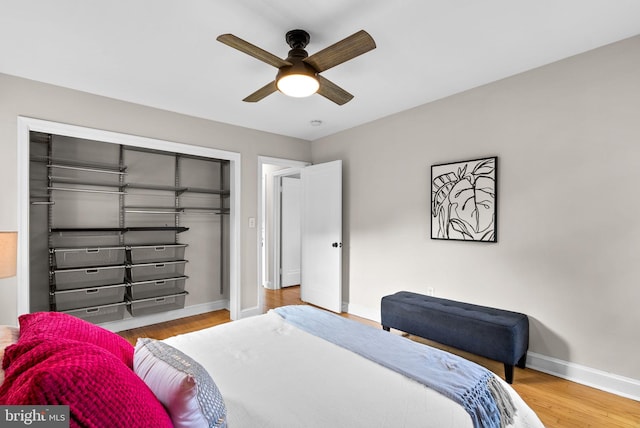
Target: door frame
(276, 245)
(27, 124)
(290, 166)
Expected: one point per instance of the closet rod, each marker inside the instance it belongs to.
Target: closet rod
(68, 189)
(215, 211)
(78, 168)
(151, 212)
(201, 212)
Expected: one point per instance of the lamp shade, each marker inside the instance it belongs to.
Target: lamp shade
(8, 245)
(298, 85)
(298, 80)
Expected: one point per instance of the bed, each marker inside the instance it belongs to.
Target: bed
(290, 367)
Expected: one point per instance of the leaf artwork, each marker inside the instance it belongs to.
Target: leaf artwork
(463, 200)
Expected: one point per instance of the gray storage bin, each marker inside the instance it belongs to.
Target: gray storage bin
(154, 305)
(85, 297)
(100, 314)
(155, 288)
(156, 253)
(154, 271)
(96, 256)
(69, 279)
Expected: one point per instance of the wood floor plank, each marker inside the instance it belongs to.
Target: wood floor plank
(558, 403)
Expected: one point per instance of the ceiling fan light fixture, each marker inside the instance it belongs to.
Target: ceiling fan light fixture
(298, 80)
(298, 85)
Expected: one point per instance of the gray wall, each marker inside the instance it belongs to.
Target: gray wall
(568, 140)
(28, 98)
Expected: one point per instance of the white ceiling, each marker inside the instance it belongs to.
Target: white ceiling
(163, 53)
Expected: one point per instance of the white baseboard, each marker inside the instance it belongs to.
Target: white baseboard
(605, 381)
(364, 312)
(250, 312)
(188, 311)
(345, 307)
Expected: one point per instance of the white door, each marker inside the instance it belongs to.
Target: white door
(290, 231)
(321, 281)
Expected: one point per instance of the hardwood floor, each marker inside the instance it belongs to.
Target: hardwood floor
(559, 403)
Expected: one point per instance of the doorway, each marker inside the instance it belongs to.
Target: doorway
(270, 172)
(289, 238)
(320, 230)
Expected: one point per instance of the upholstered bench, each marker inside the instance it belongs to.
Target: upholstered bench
(493, 333)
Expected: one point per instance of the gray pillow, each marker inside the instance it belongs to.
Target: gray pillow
(181, 384)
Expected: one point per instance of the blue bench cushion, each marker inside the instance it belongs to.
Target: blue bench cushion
(493, 333)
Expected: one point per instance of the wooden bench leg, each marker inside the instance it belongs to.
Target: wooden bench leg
(508, 373)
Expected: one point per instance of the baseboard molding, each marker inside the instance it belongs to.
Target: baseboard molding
(362, 311)
(250, 312)
(605, 381)
(188, 311)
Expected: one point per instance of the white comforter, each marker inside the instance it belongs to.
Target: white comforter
(272, 374)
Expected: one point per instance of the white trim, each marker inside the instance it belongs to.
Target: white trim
(363, 312)
(266, 160)
(188, 311)
(235, 280)
(274, 245)
(605, 381)
(251, 312)
(276, 212)
(282, 162)
(22, 273)
(27, 124)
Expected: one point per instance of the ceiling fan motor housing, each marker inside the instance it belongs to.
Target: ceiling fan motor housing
(298, 67)
(297, 40)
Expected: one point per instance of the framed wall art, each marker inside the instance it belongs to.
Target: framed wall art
(464, 200)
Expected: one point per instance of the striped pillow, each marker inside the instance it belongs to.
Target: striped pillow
(181, 384)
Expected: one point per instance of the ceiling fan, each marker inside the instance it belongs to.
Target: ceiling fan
(299, 74)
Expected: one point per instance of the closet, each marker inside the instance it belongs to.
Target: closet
(118, 231)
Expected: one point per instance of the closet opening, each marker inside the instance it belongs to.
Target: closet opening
(125, 231)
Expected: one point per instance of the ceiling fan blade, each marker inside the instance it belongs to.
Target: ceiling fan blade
(252, 50)
(267, 89)
(333, 92)
(344, 50)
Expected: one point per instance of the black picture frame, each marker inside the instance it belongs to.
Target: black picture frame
(464, 200)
